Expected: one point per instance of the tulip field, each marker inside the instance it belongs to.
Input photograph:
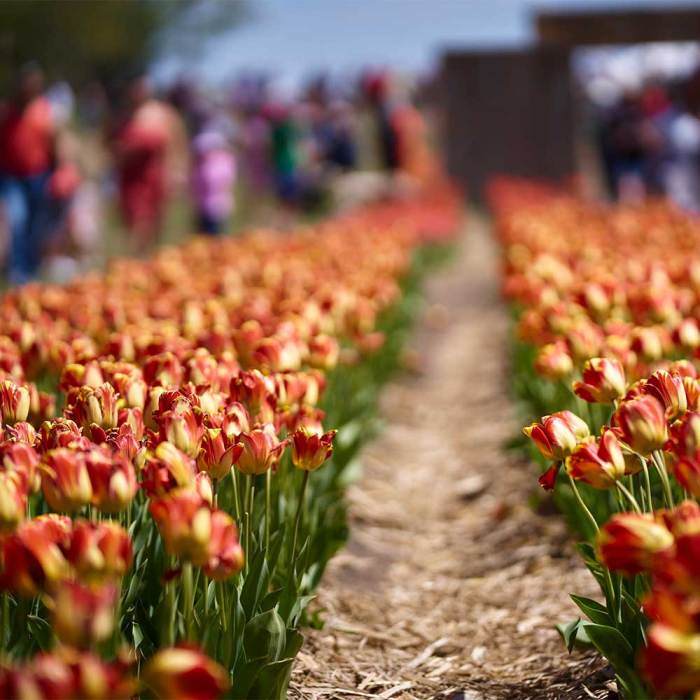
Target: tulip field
(175, 434)
(607, 301)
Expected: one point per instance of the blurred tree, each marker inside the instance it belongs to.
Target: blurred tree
(107, 40)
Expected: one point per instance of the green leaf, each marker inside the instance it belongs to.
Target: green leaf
(573, 633)
(264, 636)
(592, 609)
(256, 584)
(613, 646)
(137, 634)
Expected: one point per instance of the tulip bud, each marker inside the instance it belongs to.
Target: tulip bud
(182, 428)
(632, 543)
(132, 389)
(14, 402)
(13, 500)
(96, 406)
(82, 616)
(669, 390)
(599, 464)
(172, 673)
(34, 553)
(260, 449)
(167, 469)
(687, 334)
(557, 435)
(100, 551)
(553, 361)
(310, 450)
(323, 352)
(225, 552)
(65, 480)
(113, 480)
(642, 424)
(603, 381)
(203, 486)
(217, 453)
(184, 522)
(669, 661)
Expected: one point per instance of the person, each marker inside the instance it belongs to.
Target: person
(141, 148)
(27, 143)
(213, 178)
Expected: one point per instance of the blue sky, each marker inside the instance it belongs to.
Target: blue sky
(292, 38)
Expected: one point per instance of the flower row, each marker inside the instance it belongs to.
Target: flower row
(159, 427)
(608, 301)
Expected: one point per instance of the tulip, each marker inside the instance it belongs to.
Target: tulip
(670, 661)
(260, 449)
(204, 487)
(164, 369)
(75, 375)
(642, 424)
(600, 464)
(669, 390)
(65, 480)
(13, 500)
(100, 551)
(310, 450)
(180, 673)
(132, 389)
(553, 361)
(687, 334)
(217, 453)
(21, 432)
(633, 543)
(167, 469)
(94, 406)
(14, 402)
(60, 432)
(33, 556)
(251, 389)
(21, 457)
(225, 553)
(113, 480)
(324, 352)
(557, 435)
(603, 381)
(184, 521)
(182, 428)
(82, 616)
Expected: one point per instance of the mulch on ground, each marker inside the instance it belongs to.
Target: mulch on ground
(451, 585)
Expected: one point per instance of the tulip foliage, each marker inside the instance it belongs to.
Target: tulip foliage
(608, 302)
(176, 436)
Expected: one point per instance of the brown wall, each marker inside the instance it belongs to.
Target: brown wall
(507, 112)
(628, 26)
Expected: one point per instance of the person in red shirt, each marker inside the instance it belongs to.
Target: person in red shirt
(27, 140)
(141, 150)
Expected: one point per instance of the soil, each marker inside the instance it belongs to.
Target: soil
(451, 584)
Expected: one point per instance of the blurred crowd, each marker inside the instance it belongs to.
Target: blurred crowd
(649, 142)
(68, 158)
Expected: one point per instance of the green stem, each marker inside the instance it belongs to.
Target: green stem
(297, 517)
(187, 599)
(236, 500)
(647, 485)
(246, 517)
(583, 506)
(268, 509)
(663, 475)
(221, 600)
(632, 500)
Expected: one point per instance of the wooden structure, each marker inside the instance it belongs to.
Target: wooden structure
(512, 111)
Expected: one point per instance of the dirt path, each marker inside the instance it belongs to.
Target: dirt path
(450, 585)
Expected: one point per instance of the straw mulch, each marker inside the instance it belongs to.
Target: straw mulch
(451, 585)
